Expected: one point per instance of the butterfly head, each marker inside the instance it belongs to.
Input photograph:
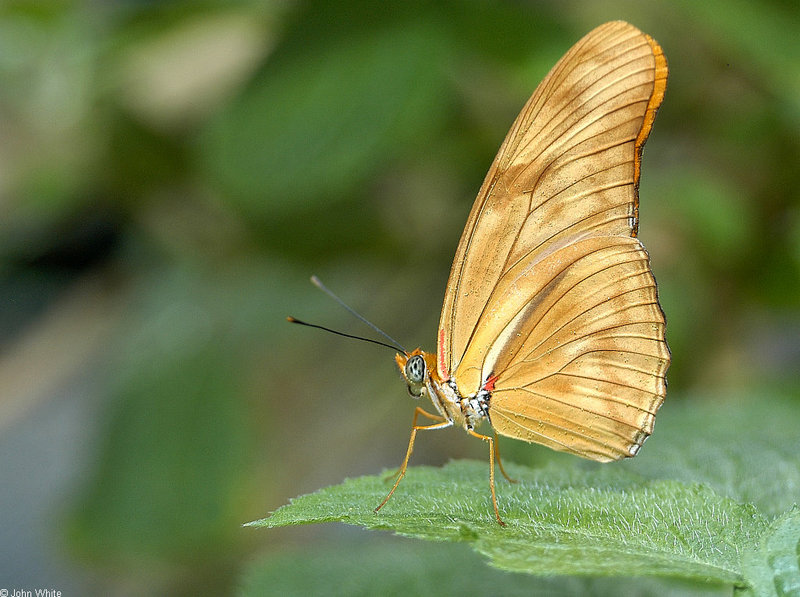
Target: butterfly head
(416, 368)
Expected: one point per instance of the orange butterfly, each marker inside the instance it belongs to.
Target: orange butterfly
(551, 327)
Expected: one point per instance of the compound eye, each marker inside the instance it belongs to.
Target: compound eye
(415, 369)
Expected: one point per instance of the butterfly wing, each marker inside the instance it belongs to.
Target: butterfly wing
(568, 166)
(550, 294)
(579, 355)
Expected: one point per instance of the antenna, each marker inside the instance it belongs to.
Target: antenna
(291, 319)
(316, 282)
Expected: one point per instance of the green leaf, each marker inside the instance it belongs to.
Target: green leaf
(773, 565)
(397, 566)
(699, 507)
(745, 449)
(561, 520)
(316, 125)
(178, 439)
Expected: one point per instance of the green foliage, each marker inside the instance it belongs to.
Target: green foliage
(178, 441)
(331, 121)
(558, 521)
(772, 565)
(399, 566)
(612, 520)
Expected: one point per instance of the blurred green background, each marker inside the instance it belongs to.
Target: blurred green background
(171, 174)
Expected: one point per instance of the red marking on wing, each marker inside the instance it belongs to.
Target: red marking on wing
(489, 385)
(442, 364)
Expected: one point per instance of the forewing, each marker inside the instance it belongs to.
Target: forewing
(569, 166)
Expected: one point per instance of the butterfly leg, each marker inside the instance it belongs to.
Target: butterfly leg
(441, 424)
(417, 412)
(492, 454)
(500, 462)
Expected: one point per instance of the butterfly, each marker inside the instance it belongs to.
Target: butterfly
(551, 329)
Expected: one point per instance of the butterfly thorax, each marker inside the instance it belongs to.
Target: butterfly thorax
(422, 378)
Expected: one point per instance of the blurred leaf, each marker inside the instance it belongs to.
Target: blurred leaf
(762, 35)
(508, 32)
(48, 112)
(579, 518)
(405, 567)
(773, 565)
(174, 78)
(714, 213)
(317, 125)
(743, 448)
(171, 478)
(174, 453)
